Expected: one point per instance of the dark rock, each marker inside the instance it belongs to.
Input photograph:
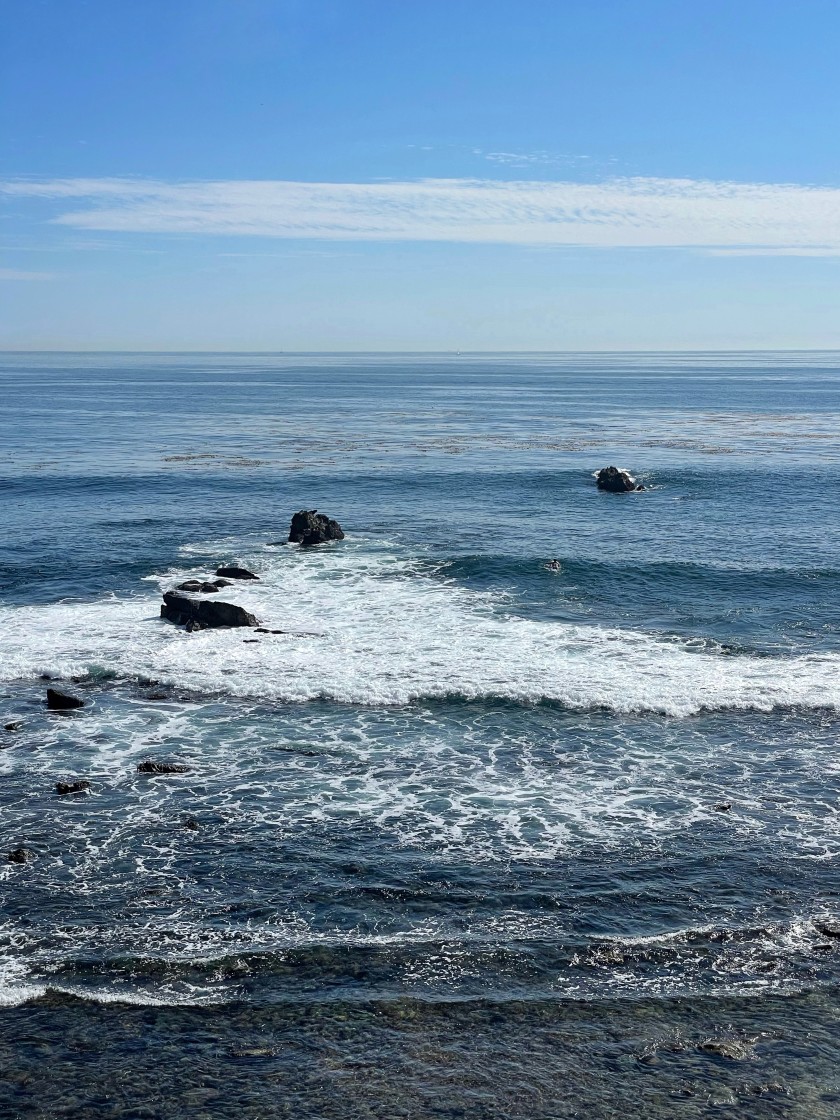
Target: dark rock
(162, 768)
(19, 855)
(615, 481)
(192, 824)
(233, 572)
(828, 929)
(189, 585)
(733, 1049)
(210, 613)
(724, 807)
(62, 701)
(157, 695)
(71, 787)
(192, 626)
(310, 528)
(250, 641)
(219, 583)
(15, 725)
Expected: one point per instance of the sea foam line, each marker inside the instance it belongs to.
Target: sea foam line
(391, 633)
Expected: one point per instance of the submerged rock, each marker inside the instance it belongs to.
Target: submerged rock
(192, 824)
(198, 613)
(15, 725)
(309, 528)
(63, 788)
(733, 1049)
(62, 701)
(19, 855)
(616, 481)
(234, 572)
(162, 768)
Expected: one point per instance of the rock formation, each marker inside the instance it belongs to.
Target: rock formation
(203, 613)
(310, 527)
(62, 701)
(616, 481)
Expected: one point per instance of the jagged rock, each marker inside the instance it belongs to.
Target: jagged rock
(189, 585)
(15, 725)
(828, 929)
(723, 807)
(162, 768)
(62, 701)
(210, 613)
(310, 528)
(19, 855)
(192, 824)
(71, 787)
(223, 583)
(616, 481)
(233, 572)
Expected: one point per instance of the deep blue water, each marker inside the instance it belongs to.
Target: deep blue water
(474, 838)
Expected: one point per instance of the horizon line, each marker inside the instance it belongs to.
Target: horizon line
(449, 352)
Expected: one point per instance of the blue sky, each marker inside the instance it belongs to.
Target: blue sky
(475, 174)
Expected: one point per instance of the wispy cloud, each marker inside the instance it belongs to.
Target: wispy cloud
(539, 158)
(632, 212)
(22, 274)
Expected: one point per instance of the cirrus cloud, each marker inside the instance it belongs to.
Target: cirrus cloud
(722, 217)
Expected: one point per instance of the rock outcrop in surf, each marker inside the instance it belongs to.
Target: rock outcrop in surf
(198, 614)
(62, 701)
(233, 571)
(310, 528)
(616, 481)
(205, 587)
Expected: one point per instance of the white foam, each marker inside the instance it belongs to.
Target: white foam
(394, 633)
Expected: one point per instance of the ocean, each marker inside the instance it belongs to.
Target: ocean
(472, 837)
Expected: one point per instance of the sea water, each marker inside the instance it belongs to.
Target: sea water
(473, 836)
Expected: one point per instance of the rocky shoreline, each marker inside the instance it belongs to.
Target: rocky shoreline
(185, 605)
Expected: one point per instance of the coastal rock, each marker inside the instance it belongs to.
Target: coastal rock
(202, 586)
(162, 768)
(828, 929)
(733, 1049)
(19, 855)
(64, 788)
(192, 824)
(62, 701)
(616, 481)
(201, 612)
(15, 725)
(309, 528)
(234, 572)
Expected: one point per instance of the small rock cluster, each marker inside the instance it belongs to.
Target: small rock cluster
(308, 528)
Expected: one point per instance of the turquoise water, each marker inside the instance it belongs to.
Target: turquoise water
(461, 847)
